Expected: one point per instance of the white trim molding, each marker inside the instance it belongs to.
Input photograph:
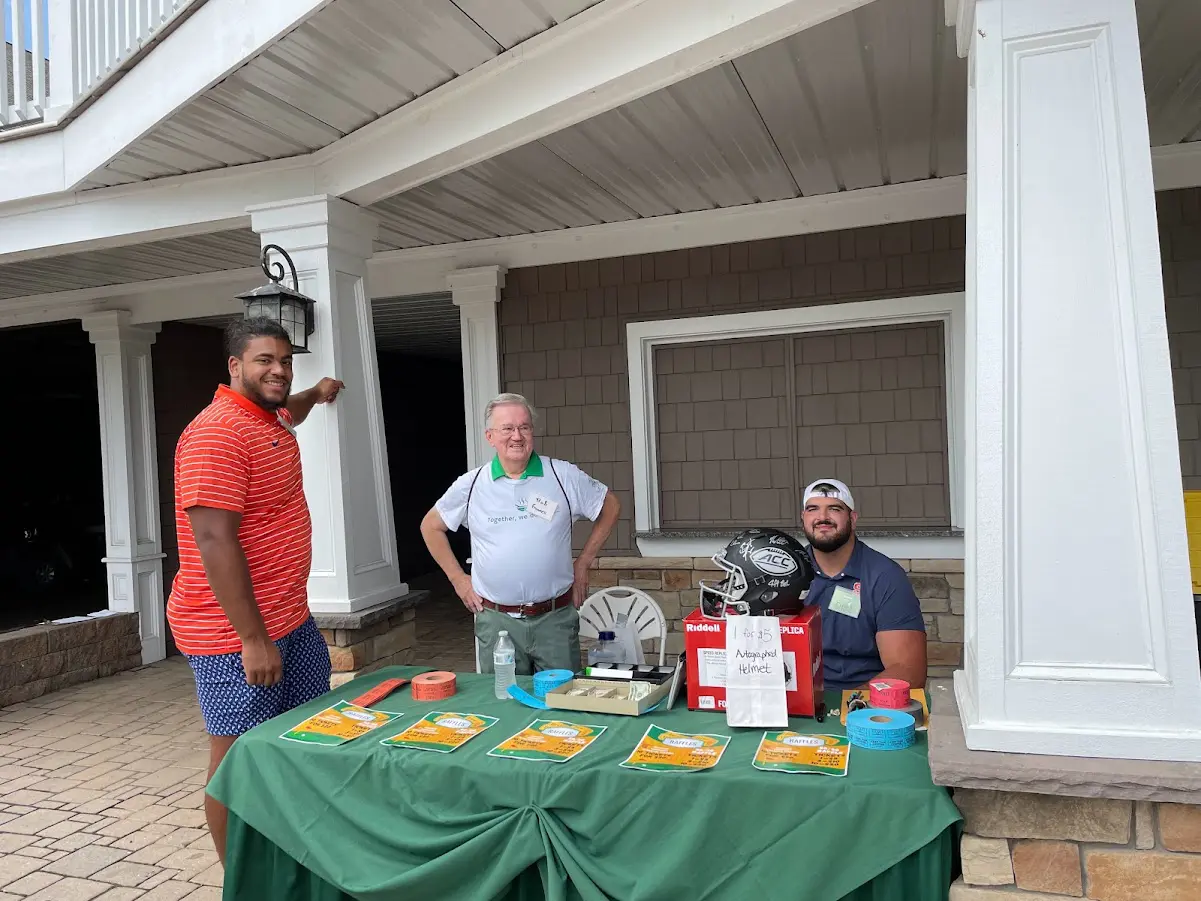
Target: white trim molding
(643, 337)
(422, 270)
(1176, 166)
(476, 292)
(129, 456)
(342, 444)
(961, 15)
(1080, 634)
(897, 547)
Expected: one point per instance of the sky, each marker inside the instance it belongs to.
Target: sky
(8, 20)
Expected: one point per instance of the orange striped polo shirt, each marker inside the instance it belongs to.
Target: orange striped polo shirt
(237, 456)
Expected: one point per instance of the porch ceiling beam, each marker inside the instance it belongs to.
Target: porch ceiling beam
(212, 42)
(211, 202)
(1176, 166)
(615, 52)
(132, 214)
(423, 270)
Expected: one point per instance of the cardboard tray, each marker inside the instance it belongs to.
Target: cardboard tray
(558, 699)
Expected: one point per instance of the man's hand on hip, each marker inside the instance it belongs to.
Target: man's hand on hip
(261, 661)
(467, 594)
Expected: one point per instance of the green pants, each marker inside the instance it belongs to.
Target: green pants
(549, 641)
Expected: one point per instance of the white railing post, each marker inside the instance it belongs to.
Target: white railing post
(88, 41)
(63, 19)
(24, 104)
(4, 69)
(41, 90)
(20, 102)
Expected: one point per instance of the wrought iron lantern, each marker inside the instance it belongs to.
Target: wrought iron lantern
(279, 303)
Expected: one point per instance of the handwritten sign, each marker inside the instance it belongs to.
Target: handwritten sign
(755, 680)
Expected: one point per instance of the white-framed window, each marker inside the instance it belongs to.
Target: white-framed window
(646, 341)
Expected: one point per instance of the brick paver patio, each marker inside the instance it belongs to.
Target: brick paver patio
(101, 785)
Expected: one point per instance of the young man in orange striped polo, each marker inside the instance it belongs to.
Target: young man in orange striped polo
(239, 605)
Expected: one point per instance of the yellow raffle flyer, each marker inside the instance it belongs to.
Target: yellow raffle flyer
(338, 724)
(793, 752)
(665, 751)
(442, 732)
(552, 740)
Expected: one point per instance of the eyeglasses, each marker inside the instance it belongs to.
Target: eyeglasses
(508, 430)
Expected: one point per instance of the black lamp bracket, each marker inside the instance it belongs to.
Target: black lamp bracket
(275, 270)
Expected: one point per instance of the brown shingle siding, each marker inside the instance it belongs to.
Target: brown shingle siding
(562, 344)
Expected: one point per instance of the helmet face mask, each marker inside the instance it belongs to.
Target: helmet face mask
(718, 597)
(768, 573)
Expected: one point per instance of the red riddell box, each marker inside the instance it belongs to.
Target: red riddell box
(800, 640)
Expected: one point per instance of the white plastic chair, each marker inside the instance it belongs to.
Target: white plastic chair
(599, 614)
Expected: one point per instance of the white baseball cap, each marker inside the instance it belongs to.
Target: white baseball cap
(829, 488)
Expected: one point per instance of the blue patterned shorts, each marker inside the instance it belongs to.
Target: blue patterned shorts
(231, 707)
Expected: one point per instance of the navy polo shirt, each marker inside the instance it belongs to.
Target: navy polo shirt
(886, 603)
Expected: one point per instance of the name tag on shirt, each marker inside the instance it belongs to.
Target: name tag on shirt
(845, 602)
(543, 508)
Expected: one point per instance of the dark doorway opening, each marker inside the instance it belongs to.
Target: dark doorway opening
(189, 363)
(52, 541)
(421, 392)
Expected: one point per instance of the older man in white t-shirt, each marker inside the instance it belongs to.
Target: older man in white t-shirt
(519, 509)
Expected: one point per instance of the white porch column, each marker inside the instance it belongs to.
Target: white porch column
(133, 540)
(342, 444)
(476, 292)
(1079, 613)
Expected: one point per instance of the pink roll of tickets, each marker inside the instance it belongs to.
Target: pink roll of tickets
(888, 694)
(436, 686)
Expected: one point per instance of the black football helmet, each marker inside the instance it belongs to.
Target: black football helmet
(768, 573)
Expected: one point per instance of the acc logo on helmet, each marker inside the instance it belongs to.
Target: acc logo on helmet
(774, 561)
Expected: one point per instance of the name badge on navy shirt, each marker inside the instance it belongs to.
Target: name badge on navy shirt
(846, 602)
(543, 508)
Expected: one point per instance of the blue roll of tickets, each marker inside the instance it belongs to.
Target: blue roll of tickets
(880, 730)
(550, 679)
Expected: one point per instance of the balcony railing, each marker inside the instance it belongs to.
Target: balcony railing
(57, 52)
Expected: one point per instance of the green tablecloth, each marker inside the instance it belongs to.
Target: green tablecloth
(371, 823)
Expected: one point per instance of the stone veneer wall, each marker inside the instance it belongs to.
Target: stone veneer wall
(359, 643)
(1033, 847)
(45, 658)
(674, 584)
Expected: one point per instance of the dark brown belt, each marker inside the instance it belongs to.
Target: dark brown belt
(524, 610)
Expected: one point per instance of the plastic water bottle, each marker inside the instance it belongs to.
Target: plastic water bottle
(605, 650)
(503, 663)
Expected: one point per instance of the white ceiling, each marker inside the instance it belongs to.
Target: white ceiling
(423, 326)
(141, 262)
(1170, 39)
(871, 98)
(874, 97)
(349, 64)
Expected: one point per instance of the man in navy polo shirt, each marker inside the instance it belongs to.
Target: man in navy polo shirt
(871, 620)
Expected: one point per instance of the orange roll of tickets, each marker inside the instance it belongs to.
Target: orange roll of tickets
(888, 694)
(433, 686)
